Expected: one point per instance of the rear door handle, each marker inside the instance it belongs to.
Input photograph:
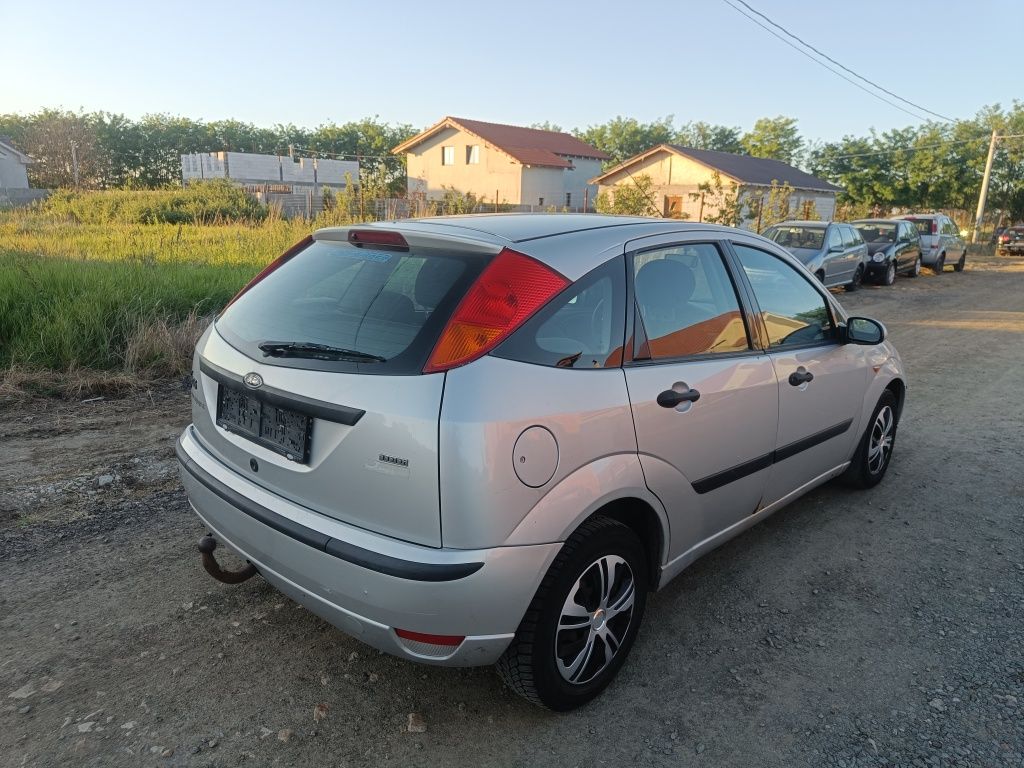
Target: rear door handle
(801, 376)
(670, 398)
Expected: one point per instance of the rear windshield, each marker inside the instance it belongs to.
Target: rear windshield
(336, 306)
(877, 232)
(797, 237)
(924, 226)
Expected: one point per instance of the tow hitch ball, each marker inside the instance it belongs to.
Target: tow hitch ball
(206, 546)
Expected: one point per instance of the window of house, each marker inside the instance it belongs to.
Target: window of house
(568, 199)
(473, 154)
(686, 303)
(793, 311)
(447, 155)
(540, 201)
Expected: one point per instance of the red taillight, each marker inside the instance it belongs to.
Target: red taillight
(422, 637)
(1004, 238)
(377, 237)
(506, 294)
(271, 267)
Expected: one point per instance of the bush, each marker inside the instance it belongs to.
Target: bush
(209, 202)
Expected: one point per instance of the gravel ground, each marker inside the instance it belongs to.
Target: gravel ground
(878, 628)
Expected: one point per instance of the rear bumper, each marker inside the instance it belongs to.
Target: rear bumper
(363, 583)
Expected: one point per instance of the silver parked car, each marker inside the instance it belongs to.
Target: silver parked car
(834, 252)
(486, 439)
(941, 243)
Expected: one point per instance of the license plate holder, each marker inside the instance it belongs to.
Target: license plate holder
(278, 429)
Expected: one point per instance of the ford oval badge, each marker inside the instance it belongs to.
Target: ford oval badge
(253, 380)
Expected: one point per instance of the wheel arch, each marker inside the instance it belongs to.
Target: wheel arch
(899, 388)
(640, 517)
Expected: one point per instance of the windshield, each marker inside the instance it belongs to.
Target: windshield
(336, 306)
(877, 232)
(797, 237)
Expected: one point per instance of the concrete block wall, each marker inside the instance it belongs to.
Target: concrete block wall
(253, 168)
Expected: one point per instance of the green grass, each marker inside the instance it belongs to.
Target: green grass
(120, 297)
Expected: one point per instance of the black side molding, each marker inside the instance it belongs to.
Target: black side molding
(717, 480)
(364, 558)
(340, 414)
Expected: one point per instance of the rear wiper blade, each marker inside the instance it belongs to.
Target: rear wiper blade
(316, 351)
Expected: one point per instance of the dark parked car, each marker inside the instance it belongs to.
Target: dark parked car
(1011, 241)
(893, 246)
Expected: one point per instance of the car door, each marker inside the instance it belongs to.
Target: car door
(908, 248)
(704, 400)
(821, 383)
(833, 264)
(857, 249)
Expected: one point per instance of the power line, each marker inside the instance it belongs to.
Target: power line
(923, 146)
(842, 66)
(820, 63)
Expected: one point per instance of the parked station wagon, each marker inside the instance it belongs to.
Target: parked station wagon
(485, 440)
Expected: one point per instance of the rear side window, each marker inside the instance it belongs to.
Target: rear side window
(794, 313)
(686, 303)
(583, 327)
(386, 307)
(925, 226)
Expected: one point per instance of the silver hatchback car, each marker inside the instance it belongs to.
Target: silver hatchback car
(486, 439)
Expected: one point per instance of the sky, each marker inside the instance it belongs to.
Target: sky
(569, 63)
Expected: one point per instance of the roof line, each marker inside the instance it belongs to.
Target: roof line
(419, 138)
(668, 148)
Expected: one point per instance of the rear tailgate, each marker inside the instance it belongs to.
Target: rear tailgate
(379, 473)
(310, 382)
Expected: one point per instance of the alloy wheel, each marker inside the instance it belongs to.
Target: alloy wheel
(595, 618)
(880, 442)
(890, 274)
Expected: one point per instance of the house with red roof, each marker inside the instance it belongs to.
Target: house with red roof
(503, 164)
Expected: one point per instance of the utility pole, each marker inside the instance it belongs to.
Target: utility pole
(984, 188)
(74, 162)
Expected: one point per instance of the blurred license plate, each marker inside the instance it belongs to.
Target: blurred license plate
(282, 430)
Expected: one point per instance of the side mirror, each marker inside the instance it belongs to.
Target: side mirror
(864, 330)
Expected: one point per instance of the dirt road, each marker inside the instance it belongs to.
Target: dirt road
(878, 628)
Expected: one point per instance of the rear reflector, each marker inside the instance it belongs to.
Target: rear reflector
(284, 257)
(422, 637)
(377, 237)
(508, 292)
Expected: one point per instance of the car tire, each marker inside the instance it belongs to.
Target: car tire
(858, 278)
(959, 266)
(874, 451)
(939, 265)
(542, 660)
(916, 269)
(890, 274)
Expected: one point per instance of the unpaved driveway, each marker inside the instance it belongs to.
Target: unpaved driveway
(878, 628)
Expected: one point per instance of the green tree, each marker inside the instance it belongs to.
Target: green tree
(633, 197)
(623, 137)
(701, 135)
(719, 202)
(776, 138)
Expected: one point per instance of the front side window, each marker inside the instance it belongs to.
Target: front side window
(793, 311)
(686, 303)
(581, 328)
(447, 155)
